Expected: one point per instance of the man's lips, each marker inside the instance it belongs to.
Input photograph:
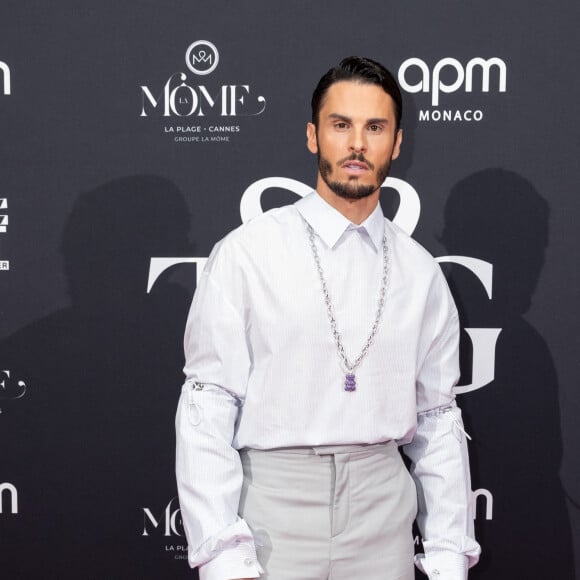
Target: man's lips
(355, 167)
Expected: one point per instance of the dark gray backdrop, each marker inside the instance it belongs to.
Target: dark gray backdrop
(91, 363)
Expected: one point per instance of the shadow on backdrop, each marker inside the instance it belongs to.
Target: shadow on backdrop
(498, 216)
(95, 439)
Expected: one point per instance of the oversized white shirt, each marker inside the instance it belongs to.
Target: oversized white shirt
(263, 371)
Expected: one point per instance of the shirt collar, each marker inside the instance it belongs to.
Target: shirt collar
(330, 224)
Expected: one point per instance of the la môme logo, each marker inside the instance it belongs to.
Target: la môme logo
(183, 97)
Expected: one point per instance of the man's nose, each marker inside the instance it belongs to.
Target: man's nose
(358, 142)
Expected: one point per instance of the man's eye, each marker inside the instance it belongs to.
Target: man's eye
(375, 128)
(341, 125)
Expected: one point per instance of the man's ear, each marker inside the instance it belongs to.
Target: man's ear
(397, 145)
(311, 140)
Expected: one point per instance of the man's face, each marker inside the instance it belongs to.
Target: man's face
(355, 141)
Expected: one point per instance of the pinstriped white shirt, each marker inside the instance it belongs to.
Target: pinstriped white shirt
(259, 340)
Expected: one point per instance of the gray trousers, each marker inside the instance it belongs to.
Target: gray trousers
(330, 513)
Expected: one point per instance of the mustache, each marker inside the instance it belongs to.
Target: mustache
(356, 157)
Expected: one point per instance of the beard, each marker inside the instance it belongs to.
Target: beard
(352, 189)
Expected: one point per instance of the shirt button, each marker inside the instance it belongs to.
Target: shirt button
(436, 572)
(248, 561)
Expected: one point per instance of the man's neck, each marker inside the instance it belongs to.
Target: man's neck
(355, 210)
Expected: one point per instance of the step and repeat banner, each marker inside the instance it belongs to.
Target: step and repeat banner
(133, 136)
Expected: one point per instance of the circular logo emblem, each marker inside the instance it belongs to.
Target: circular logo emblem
(202, 57)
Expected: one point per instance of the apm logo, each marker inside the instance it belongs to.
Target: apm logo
(6, 84)
(8, 490)
(449, 76)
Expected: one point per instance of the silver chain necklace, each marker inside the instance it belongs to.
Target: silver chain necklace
(348, 367)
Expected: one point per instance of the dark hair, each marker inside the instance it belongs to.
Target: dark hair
(362, 70)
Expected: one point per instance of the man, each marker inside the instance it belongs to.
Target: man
(321, 338)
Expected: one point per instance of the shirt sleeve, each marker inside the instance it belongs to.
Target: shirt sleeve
(208, 469)
(438, 451)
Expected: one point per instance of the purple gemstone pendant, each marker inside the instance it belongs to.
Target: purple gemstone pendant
(350, 382)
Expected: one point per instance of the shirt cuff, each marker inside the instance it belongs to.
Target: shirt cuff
(237, 562)
(443, 566)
